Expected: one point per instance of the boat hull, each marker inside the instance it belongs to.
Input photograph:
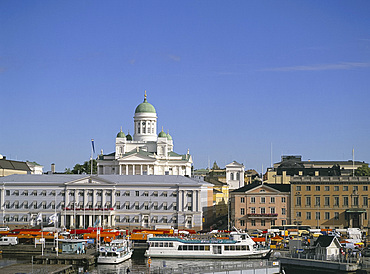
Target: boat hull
(114, 260)
(258, 254)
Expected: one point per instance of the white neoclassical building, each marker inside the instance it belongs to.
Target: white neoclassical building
(235, 175)
(109, 201)
(145, 153)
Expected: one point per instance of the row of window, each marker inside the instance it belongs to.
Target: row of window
(90, 193)
(261, 222)
(318, 215)
(335, 200)
(335, 188)
(262, 210)
(118, 205)
(262, 200)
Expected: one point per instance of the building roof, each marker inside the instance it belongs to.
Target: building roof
(145, 107)
(14, 165)
(116, 179)
(324, 240)
(278, 187)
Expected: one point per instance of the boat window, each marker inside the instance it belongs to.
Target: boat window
(207, 248)
(180, 247)
(244, 247)
(196, 247)
(201, 247)
(238, 247)
(160, 244)
(156, 244)
(247, 247)
(185, 247)
(170, 244)
(226, 247)
(165, 244)
(190, 247)
(232, 247)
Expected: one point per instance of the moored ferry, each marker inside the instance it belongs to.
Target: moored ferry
(239, 245)
(115, 252)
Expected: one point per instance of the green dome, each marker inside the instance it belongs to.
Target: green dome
(169, 137)
(129, 137)
(121, 134)
(162, 134)
(145, 107)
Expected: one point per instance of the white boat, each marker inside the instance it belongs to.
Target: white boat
(239, 245)
(116, 252)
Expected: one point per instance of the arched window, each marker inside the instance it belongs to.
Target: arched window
(238, 176)
(231, 176)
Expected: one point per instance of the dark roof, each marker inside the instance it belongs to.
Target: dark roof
(324, 240)
(14, 165)
(279, 187)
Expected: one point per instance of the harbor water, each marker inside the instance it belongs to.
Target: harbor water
(140, 264)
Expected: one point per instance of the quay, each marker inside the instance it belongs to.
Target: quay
(32, 268)
(290, 263)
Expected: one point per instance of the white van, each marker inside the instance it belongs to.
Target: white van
(8, 240)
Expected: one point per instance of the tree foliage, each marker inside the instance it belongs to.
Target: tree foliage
(363, 170)
(215, 166)
(85, 168)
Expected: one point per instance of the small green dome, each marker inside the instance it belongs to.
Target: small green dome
(169, 137)
(121, 134)
(162, 134)
(129, 137)
(145, 107)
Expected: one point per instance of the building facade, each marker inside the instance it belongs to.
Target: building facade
(330, 201)
(292, 165)
(125, 202)
(260, 205)
(145, 153)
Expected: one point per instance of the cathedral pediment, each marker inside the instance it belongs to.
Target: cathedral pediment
(90, 180)
(137, 157)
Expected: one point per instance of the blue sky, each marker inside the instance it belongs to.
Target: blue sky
(229, 79)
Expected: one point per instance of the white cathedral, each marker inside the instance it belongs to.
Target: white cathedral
(145, 153)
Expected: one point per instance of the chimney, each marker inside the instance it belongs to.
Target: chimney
(52, 168)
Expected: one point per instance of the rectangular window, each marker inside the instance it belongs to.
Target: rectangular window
(283, 211)
(127, 193)
(326, 188)
(44, 205)
(263, 222)
(16, 192)
(355, 201)
(127, 219)
(7, 192)
(174, 205)
(164, 206)
(263, 210)
(253, 200)
(174, 194)
(327, 215)
(299, 214)
(283, 199)
(189, 194)
(364, 188)
(327, 201)
(317, 188)
(345, 200)
(155, 206)
(146, 206)
(272, 210)
(298, 188)
(263, 200)
(35, 205)
(242, 211)
(190, 208)
(242, 199)
(272, 200)
(336, 188)
(25, 204)
(345, 188)
(164, 193)
(155, 193)
(308, 201)
(317, 201)
(137, 193)
(317, 215)
(118, 193)
(253, 222)
(272, 222)
(136, 205)
(146, 193)
(253, 210)
(355, 188)
(25, 193)
(364, 200)
(298, 201)
(164, 220)
(336, 200)
(308, 188)
(242, 223)
(34, 193)
(336, 215)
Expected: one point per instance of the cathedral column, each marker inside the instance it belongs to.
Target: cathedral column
(179, 200)
(90, 224)
(67, 198)
(126, 169)
(113, 220)
(133, 170)
(81, 220)
(141, 169)
(103, 198)
(147, 170)
(94, 199)
(113, 197)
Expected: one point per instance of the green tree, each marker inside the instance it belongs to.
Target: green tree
(363, 170)
(215, 166)
(85, 168)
